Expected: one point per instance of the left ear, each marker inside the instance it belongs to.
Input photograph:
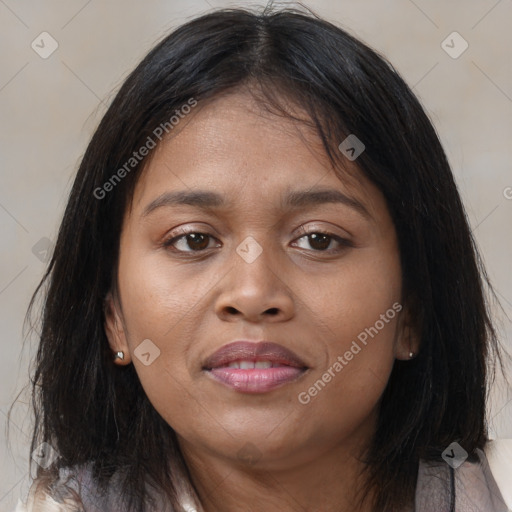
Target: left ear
(408, 329)
(115, 331)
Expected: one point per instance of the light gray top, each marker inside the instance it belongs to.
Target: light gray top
(475, 489)
(474, 485)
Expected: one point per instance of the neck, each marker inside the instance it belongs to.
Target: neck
(327, 481)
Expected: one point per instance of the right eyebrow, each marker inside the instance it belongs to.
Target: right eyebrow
(200, 198)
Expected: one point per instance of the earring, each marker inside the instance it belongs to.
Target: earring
(119, 355)
(411, 355)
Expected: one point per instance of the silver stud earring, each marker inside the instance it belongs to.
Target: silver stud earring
(119, 355)
(411, 355)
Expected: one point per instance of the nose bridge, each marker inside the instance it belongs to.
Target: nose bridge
(255, 285)
(255, 262)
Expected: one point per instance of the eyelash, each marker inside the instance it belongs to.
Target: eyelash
(168, 244)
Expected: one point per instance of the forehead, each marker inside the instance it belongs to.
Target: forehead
(234, 147)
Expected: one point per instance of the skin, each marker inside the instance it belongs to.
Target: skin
(190, 304)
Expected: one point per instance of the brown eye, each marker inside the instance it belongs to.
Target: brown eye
(321, 242)
(197, 241)
(190, 242)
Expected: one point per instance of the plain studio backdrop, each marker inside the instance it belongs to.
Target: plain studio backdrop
(62, 61)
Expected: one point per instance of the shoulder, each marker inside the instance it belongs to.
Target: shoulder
(71, 491)
(41, 499)
(499, 457)
(485, 483)
(75, 490)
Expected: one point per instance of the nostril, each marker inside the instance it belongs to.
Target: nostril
(272, 311)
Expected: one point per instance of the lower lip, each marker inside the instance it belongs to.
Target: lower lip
(256, 380)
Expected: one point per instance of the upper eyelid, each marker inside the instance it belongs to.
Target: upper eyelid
(301, 228)
(169, 241)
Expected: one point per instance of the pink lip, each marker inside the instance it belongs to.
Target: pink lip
(286, 366)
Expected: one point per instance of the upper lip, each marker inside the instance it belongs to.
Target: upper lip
(253, 351)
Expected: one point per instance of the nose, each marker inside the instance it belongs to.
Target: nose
(255, 292)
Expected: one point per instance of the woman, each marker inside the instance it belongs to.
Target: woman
(265, 294)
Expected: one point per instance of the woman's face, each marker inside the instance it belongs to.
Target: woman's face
(251, 187)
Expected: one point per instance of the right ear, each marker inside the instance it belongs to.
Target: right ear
(114, 329)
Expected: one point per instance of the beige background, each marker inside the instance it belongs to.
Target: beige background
(49, 108)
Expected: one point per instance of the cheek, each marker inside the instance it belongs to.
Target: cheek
(355, 297)
(345, 393)
(157, 298)
(360, 360)
(358, 320)
(156, 307)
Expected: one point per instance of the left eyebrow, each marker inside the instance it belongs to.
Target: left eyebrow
(295, 199)
(305, 198)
